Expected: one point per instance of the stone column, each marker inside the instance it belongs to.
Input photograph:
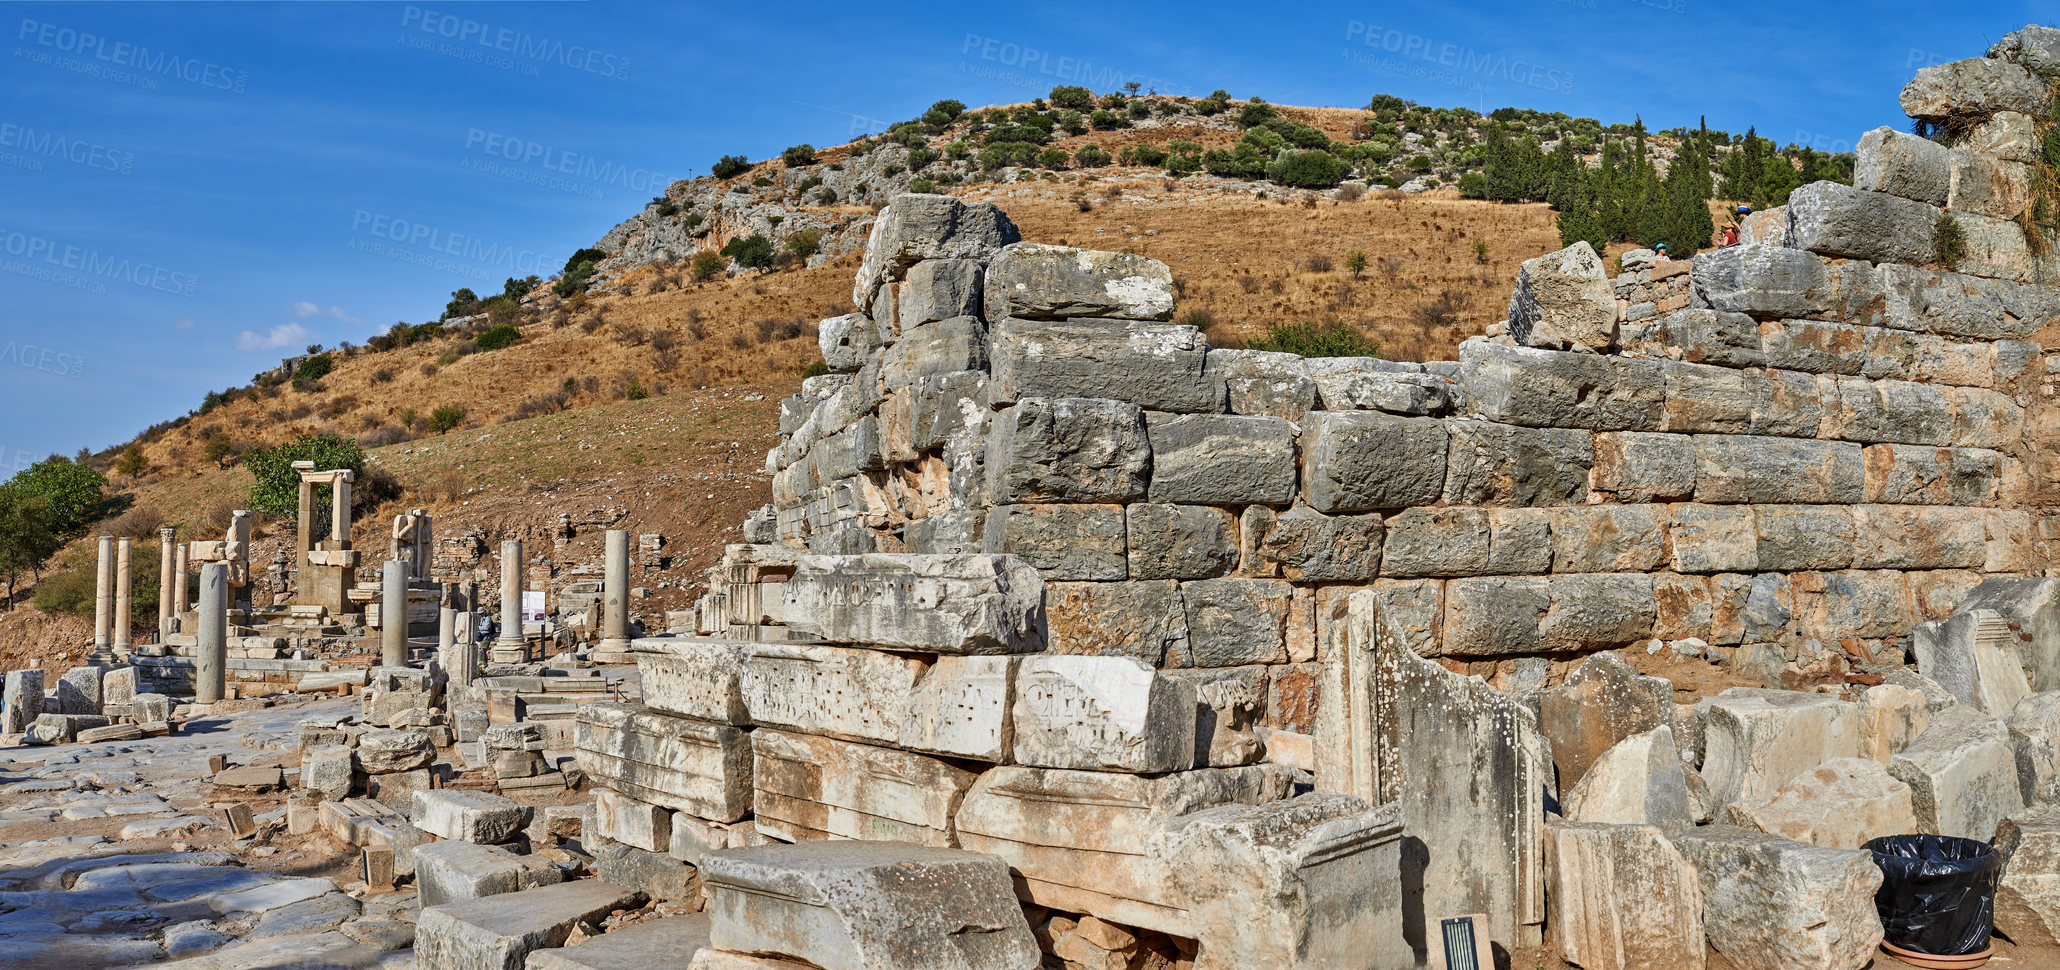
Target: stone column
(511, 597)
(124, 590)
(446, 629)
(393, 615)
(339, 510)
(465, 650)
(304, 539)
(179, 598)
(615, 595)
(166, 567)
(211, 659)
(103, 596)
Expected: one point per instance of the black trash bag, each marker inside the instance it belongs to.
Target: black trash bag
(1938, 893)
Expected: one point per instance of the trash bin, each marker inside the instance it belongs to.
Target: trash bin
(1938, 893)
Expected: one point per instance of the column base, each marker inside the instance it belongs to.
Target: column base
(612, 651)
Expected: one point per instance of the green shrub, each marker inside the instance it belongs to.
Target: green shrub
(498, 336)
(1308, 170)
(944, 112)
(1072, 96)
(957, 149)
(816, 369)
(798, 155)
(70, 490)
(1105, 120)
(1090, 156)
(276, 489)
(1948, 241)
(1053, 158)
(919, 157)
(445, 418)
(314, 368)
(707, 265)
(922, 186)
(1331, 337)
(803, 244)
(751, 252)
(1143, 154)
(730, 166)
(463, 303)
(1255, 113)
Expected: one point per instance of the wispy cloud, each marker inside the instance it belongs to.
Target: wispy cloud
(337, 312)
(304, 309)
(283, 335)
(184, 324)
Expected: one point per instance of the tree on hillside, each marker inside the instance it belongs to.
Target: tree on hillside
(72, 490)
(26, 539)
(276, 490)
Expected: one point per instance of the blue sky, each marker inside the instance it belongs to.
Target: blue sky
(189, 192)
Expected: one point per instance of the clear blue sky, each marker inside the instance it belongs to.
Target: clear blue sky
(189, 191)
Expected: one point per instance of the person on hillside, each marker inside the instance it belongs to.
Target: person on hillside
(1659, 253)
(1735, 227)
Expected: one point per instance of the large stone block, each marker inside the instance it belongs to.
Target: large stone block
(845, 341)
(1306, 545)
(1797, 537)
(329, 770)
(1891, 717)
(915, 227)
(929, 411)
(1603, 702)
(1302, 883)
(1755, 740)
(1102, 714)
(1639, 781)
(1839, 804)
(813, 788)
(1143, 620)
(1857, 409)
(1263, 383)
(1915, 474)
(1039, 282)
(1564, 299)
(868, 906)
(1903, 165)
(1178, 541)
(1972, 88)
(78, 691)
(499, 932)
(1543, 388)
(938, 289)
(1079, 840)
(634, 823)
(1990, 187)
(1157, 366)
(954, 706)
(1063, 542)
(1825, 918)
(2033, 47)
(693, 677)
(384, 752)
(1622, 898)
(1068, 450)
(692, 766)
(1708, 399)
(1832, 219)
(2035, 738)
(1750, 468)
(668, 942)
(1962, 775)
(1494, 616)
(1918, 537)
(1500, 464)
(933, 349)
(2028, 892)
(1467, 542)
(470, 816)
(1607, 538)
(2031, 606)
(1865, 603)
(1766, 282)
(451, 870)
(987, 604)
(1358, 461)
(1639, 466)
(1377, 384)
(1235, 621)
(1597, 611)
(1786, 403)
(1973, 654)
(1958, 305)
(1221, 459)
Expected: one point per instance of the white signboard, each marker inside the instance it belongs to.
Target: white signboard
(532, 606)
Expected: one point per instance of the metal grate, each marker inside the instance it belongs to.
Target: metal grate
(1459, 943)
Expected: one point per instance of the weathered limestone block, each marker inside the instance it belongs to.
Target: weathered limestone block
(690, 766)
(987, 604)
(943, 347)
(1708, 399)
(1033, 281)
(1773, 904)
(813, 788)
(1797, 537)
(1765, 281)
(1970, 89)
(693, 677)
(1640, 466)
(2031, 606)
(382, 752)
(1982, 418)
(451, 871)
(499, 933)
(1228, 707)
(1221, 459)
(1817, 347)
(1494, 615)
(631, 822)
(1235, 621)
(1832, 219)
(2035, 738)
(1064, 542)
(1143, 620)
(1684, 607)
(668, 942)
(1638, 781)
(847, 341)
(1903, 165)
(1915, 474)
(1358, 461)
(2028, 892)
(1499, 464)
(1158, 366)
(1591, 611)
(1622, 898)
(1306, 545)
(78, 691)
(955, 706)
(868, 906)
(1704, 336)
(1603, 702)
(2035, 48)
(1467, 542)
(1375, 384)
(1606, 539)
(1751, 468)
(328, 769)
(1917, 537)
(1102, 714)
(1839, 804)
(1080, 839)
(1301, 883)
(1263, 383)
(1069, 450)
(1990, 187)
(1962, 774)
(1857, 409)
(938, 289)
(1891, 717)
(929, 411)
(1973, 654)
(1564, 299)
(915, 227)
(1785, 403)
(2007, 136)
(1543, 388)
(1755, 740)
(1179, 541)
(471, 816)
(1958, 305)
(1864, 603)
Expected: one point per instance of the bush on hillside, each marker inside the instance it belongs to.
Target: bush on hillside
(730, 166)
(1091, 156)
(798, 155)
(445, 418)
(1331, 337)
(803, 244)
(1072, 96)
(751, 252)
(498, 336)
(313, 369)
(1308, 170)
(276, 489)
(707, 265)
